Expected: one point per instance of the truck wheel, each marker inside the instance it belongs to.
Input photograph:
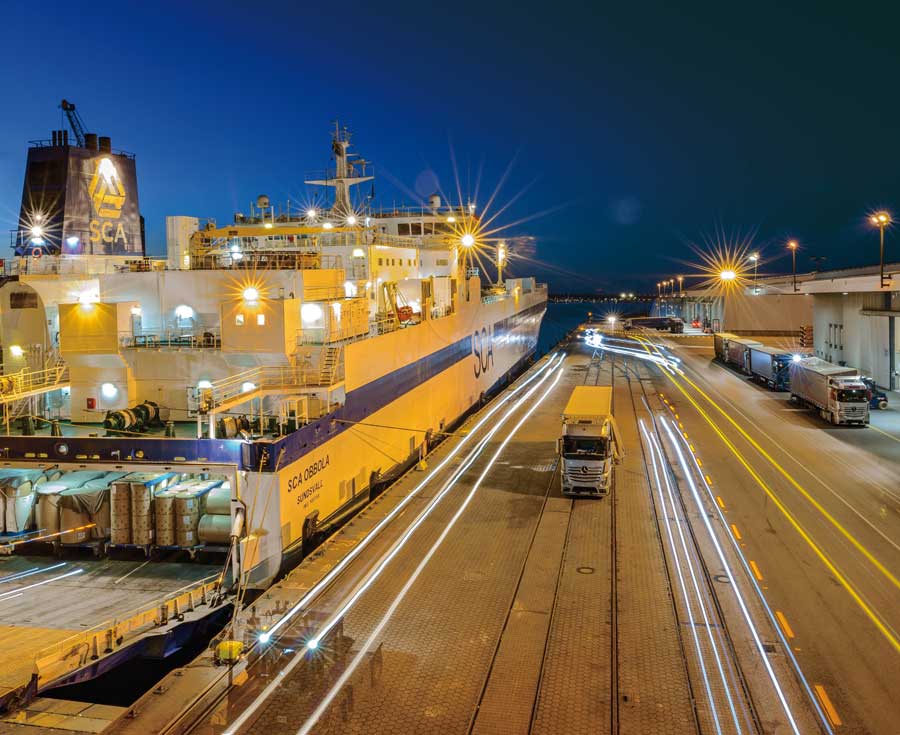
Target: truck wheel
(882, 405)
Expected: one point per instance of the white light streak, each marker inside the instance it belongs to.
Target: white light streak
(351, 668)
(30, 572)
(39, 584)
(353, 553)
(732, 581)
(342, 564)
(681, 582)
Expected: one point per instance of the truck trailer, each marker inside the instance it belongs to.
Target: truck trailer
(720, 342)
(771, 366)
(589, 444)
(838, 393)
(737, 352)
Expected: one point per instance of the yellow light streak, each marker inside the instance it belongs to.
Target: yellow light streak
(876, 620)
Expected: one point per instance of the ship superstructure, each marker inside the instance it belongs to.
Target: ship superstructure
(302, 356)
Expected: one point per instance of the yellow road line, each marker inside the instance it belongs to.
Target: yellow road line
(756, 572)
(788, 631)
(737, 534)
(720, 502)
(708, 480)
(827, 705)
(815, 503)
(823, 557)
(881, 431)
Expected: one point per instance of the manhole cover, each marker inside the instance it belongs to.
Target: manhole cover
(585, 570)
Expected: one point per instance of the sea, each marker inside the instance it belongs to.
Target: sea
(564, 316)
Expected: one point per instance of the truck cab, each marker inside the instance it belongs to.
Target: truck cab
(878, 397)
(589, 445)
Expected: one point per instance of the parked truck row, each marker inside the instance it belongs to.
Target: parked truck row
(838, 393)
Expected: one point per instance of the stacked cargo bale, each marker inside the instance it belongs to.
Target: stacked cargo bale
(17, 499)
(189, 505)
(215, 524)
(136, 493)
(165, 512)
(86, 505)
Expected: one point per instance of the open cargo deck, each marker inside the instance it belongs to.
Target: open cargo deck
(62, 618)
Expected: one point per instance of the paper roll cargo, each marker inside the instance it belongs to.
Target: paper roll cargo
(214, 529)
(218, 501)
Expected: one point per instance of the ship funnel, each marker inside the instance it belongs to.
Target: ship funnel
(105, 144)
(434, 201)
(90, 141)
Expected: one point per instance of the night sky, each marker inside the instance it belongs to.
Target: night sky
(642, 127)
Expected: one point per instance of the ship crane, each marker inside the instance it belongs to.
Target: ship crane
(75, 121)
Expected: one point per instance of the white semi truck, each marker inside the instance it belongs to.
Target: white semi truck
(589, 444)
(838, 393)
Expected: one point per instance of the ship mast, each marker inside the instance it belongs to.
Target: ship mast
(345, 174)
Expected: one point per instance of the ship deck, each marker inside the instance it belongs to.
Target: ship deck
(49, 612)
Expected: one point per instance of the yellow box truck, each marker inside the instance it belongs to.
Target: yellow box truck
(589, 445)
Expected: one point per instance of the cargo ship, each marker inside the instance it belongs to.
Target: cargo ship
(235, 400)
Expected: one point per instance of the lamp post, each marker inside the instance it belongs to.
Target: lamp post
(681, 285)
(754, 258)
(881, 220)
(792, 246)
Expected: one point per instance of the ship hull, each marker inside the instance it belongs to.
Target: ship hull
(404, 391)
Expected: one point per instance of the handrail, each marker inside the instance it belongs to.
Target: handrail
(68, 654)
(27, 381)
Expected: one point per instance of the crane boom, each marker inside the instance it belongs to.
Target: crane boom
(75, 121)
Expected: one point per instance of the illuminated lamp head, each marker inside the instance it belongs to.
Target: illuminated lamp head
(251, 294)
(796, 358)
(727, 275)
(467, 240)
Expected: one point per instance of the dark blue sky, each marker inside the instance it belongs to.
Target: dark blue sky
(654, 125)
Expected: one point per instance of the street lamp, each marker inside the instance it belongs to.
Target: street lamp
(881, 220)
(754, 258)
(792, 246)
(680, 285)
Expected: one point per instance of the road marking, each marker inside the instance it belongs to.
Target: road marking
(699, 463)
(708, 480)
(756, 572)
(692, 448)
(737, 534)
(880, 431)
(720, 502)
(827, 705)
(788, 631)
(803, 491)
(680, 425)
(885, 630)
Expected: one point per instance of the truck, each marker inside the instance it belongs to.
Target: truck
(738, 352)
(672, 324)
(838, 393)
(878, 398)
(720, 342)
(589, 445)
(771, 366)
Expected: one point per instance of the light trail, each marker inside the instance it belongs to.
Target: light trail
(731, 578)
(754, 576)
(803, 491)
(681, 582)
(266, 636)
(30, 572)
(21, 590)
(46, 536)
(696, 586)
(348, 672)
(312, 644)
(883, 627)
